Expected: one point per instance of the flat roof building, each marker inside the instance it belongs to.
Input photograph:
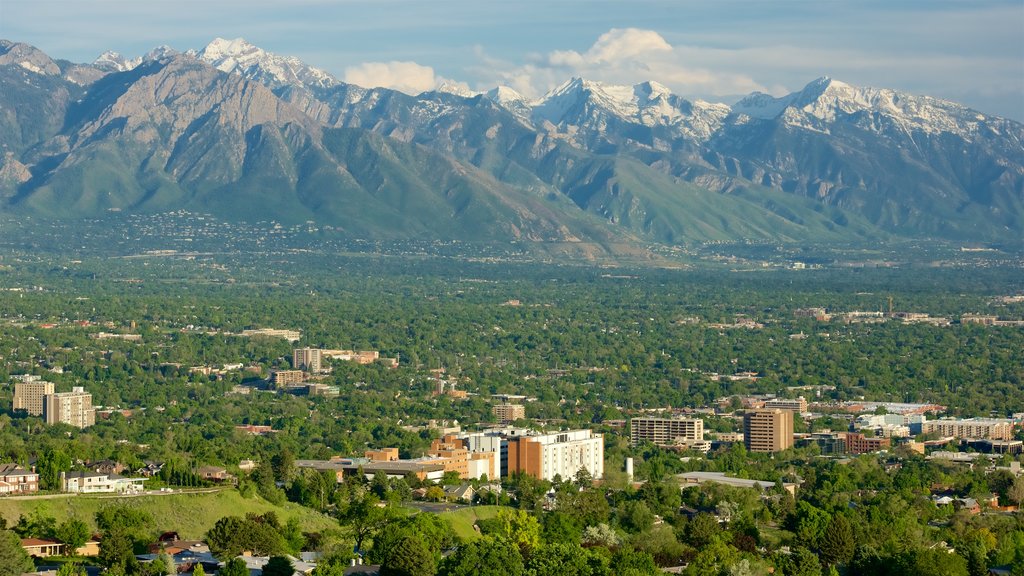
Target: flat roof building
(561, 454)
(73, 408)
(768, 430)
(506, 413)
(664, 431)
(308, 359)
(29, 393)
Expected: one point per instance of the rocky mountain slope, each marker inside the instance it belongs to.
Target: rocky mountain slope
(239, 131)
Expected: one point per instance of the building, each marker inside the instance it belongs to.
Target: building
(283, 378)
(455, 455)
(698, 478)
(16, 480)
(96, 482)
(768, 430)
(860, 444)
(308, 359)
(798, 405)
(664, 431)
(289, 335)
(29, 393)
(72, 408)
(506, 413)
(993, 428)
(560, 454)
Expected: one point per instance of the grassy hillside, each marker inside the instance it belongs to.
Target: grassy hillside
(462, 520)
(190, 515)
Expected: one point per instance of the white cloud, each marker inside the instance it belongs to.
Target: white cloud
(620, 56)
(408, 77)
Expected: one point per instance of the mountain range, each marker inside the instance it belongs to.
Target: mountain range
(245, 134)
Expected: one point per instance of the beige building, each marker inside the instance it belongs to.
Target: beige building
(796, 405)
(665, 431)
(308, 359)
(28, 395)
(282, 378)
(768, 430)
(73, 408)
(992, 428)
(509, 412)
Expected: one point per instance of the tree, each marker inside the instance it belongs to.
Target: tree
(234, 567)
(629, 562)
(74, 533)
(808, 523)
(117, 550)
(565, 559)
(410, 557)
(49, 466)
(484, 557)
(198, 570)
(71, 569)
(365, 517)
(520, 528)
(278, 566)
(14, 561)
(837, 543)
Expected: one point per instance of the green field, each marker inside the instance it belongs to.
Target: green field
(462, 520)
(190, 515)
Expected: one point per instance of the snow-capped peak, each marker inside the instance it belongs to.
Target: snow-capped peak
(238, 56)
(455, 88)
(159, 53)
(826, 100)
(504, 94)
(110, 60)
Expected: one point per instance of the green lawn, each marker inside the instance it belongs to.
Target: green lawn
(190, 515)
(462, 520)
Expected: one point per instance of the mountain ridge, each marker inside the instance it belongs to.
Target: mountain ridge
(832, 161)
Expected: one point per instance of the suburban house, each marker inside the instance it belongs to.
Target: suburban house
(45, 547)
(94, 482)
(214, 474)
(16, 480)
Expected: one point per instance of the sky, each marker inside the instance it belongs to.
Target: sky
(969, 51)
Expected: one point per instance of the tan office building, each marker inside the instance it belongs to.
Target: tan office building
(768, 430)
(28, 395)
(73, 408)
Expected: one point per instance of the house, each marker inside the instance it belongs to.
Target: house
(150, 468)
(95, 482)
(42, 547)
(107, 467)
(185, 561)
(255, 564)
(214, 474)
(16, 480)
(463, 493)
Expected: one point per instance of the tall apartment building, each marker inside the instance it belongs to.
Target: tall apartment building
(768, 430)
(559, 454)
(73, 408)
(506, 413)
(665, 431)
(992, 428)
(798, 405)
(308, 359)
(29, 393)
